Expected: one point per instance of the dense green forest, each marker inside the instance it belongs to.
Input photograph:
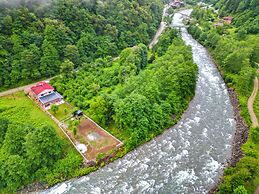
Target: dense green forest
(135, 99)
(235, 49)
(135, 96)
(31, 154)
(79, 41)
(36, 39)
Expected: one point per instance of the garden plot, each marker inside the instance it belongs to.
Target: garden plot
(88, 137)
(98, 141)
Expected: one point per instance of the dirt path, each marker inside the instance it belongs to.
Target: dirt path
(161, 28)
(250, 103)
(14, 90)
(256, 191)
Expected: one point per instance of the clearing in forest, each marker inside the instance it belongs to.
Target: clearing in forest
(90, 139)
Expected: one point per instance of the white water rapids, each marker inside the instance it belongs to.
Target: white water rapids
(188, 157)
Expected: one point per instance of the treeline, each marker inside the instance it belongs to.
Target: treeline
(35, 41)
(136, 95)
(234, 6)
(29, 154)
(236, 52)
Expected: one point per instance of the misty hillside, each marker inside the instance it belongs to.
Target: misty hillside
(35, 38)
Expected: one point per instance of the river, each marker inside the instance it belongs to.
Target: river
(188, 157)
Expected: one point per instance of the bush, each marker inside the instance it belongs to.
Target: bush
(240, 190)
(84, 171)
(255, 134)
(66, 167)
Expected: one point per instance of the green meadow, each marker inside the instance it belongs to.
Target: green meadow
(20, 109)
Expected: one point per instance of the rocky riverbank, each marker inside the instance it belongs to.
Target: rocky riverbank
(241, 132)
(240, 137)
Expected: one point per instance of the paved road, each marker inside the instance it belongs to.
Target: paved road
(250, 103)
(14, 90)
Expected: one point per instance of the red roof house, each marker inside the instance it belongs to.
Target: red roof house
(45, 94)
(42, 88)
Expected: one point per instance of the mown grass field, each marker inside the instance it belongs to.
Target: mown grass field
(19, 108)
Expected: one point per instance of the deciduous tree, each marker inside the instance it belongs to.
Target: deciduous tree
(43, 147)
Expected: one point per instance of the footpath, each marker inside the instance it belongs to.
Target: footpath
(250, 103)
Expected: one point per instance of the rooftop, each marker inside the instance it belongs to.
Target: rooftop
(78, 113)
(50, 97)
(40, 87)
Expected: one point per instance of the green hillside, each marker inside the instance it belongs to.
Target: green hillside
(35, 40)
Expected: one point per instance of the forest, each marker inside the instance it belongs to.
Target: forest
(128, 96)
(35, 39)
(21, 162)
(234, 46)
(135, 96)
(97, 52)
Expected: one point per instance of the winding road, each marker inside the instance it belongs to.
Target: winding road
(250, 103)
(188, 157)
(161, 28)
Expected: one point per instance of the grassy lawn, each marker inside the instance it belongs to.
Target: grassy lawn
(61, 114)
(21, 109)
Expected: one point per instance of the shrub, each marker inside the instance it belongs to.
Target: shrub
(240, 190)
(255, 134)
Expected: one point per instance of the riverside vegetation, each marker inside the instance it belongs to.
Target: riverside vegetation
(235, 49)
(135, 96)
